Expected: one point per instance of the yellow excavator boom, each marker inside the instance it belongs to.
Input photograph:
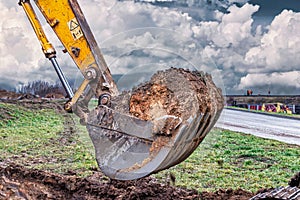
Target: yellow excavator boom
(68, 22)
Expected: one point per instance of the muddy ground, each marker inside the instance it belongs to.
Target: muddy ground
(19, 182)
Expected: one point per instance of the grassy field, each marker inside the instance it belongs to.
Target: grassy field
(39, 139)
(225, 159)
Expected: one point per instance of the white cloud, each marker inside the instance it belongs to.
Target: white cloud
(134, 35)
(279, 47)
(19, 50)
(248, 56)
(285, 79)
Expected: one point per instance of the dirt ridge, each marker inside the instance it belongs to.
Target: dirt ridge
(20, 182)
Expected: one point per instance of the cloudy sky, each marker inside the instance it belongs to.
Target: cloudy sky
(243, 44)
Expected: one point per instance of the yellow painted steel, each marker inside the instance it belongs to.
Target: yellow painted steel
(46, 45)
(68, 22)
(61, 18)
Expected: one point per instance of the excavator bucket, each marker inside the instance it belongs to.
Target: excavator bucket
(155, 126)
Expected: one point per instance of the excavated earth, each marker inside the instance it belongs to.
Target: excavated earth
(19, 182)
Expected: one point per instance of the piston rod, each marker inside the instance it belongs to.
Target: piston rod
(62, 78)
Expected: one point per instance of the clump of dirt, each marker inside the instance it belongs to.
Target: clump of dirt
(174, 92)
(154, 100)
(295, 180)
(205, 90)
(149, 98)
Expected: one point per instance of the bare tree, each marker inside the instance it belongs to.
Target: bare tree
(42, 88)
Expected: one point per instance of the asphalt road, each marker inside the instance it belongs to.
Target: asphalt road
(266, 126)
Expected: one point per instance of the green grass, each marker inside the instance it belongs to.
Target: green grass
(37, 138)
(225, 159)
(24, 130)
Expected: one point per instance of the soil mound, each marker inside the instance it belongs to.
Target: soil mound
(20, 183)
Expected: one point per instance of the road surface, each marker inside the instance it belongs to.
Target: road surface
(266, 126)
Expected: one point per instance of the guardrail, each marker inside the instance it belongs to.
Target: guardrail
(294, 108)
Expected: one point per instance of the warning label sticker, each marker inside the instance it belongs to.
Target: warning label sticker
(75, 29)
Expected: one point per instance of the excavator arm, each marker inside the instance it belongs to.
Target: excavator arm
(68, 22)
(135, 133)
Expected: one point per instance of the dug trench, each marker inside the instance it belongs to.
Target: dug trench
(20, 182)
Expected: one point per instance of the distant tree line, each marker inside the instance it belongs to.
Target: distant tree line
(42, 88)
